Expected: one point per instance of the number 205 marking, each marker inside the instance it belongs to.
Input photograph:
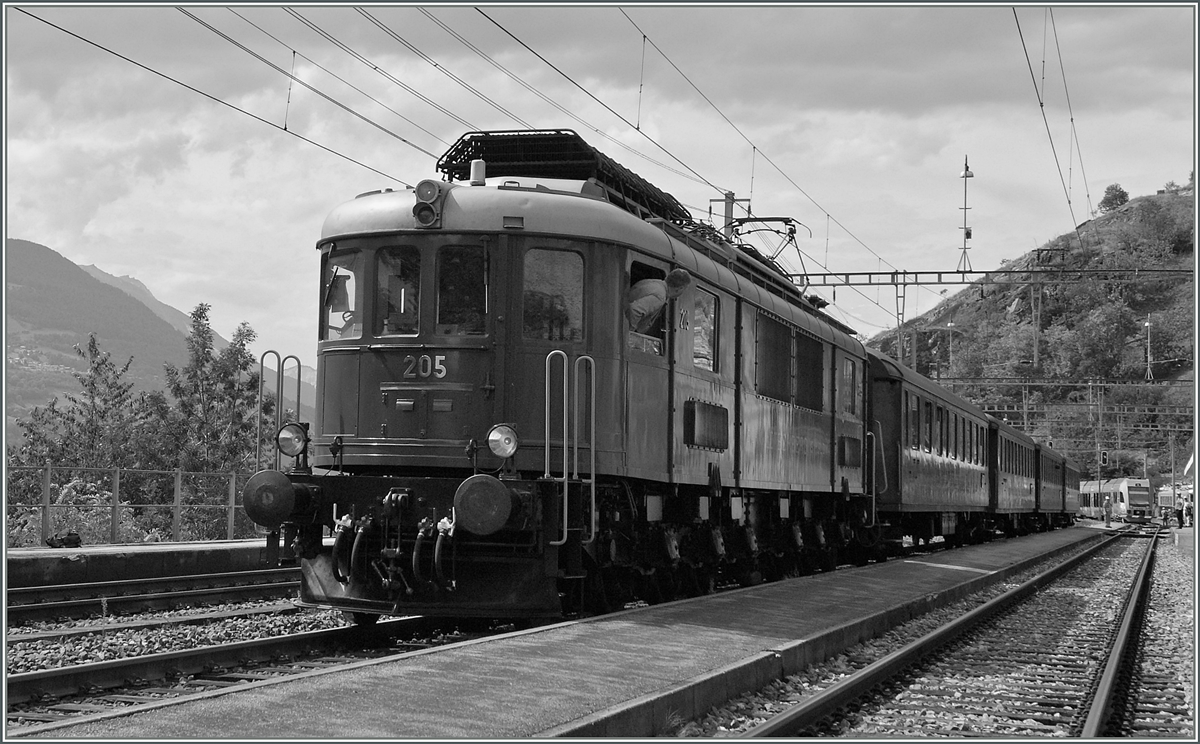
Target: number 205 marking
(424, 366)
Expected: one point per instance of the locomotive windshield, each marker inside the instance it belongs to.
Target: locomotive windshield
(398, 291)
(341, 300)
(553, 299)
(462, 290)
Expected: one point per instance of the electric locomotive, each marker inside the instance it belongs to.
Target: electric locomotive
(494, 437)
(544, 390)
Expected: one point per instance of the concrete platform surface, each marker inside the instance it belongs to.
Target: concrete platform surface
(617, 675)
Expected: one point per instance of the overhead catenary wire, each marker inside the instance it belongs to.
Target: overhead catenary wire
(563, 109)
(1067, 94)
(282, 71)
(610, 109)
(379, 70)
(464, 84)
(1046, 121)
(211, 97)
(335, 76)
(758, 152)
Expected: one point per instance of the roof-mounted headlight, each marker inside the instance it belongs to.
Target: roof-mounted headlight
(427, 212)
(502, 440)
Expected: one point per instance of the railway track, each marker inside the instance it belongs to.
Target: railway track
(1049, 657)
(31, 604)
(37, 701)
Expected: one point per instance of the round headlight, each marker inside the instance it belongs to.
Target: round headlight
(502, 440)
(291, 439)
(428, 190)
(425, 214)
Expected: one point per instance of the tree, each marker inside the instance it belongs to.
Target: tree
(1114, 196)
(213, 420)
(99, 427)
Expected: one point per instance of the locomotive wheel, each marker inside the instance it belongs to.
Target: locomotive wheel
(361, 618)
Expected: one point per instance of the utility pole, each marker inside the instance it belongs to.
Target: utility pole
(964, 261)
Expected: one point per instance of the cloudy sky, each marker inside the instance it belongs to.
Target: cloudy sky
(854, 120)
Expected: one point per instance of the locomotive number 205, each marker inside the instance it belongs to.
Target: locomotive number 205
(424, 366)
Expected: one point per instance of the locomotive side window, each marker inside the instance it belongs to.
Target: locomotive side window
(398, 292)
(553, 295)
(810, 372)
(849, 388)
(462, 290)
(773, 359)
(704, 331)
(341, 300)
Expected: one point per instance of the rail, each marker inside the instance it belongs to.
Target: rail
(829, 700)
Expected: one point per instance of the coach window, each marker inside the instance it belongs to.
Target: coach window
(553, 295)
(462, 290)
(914, 421)
(341, 300)
(810, 372)
(398, 292)
(928, 418)
(704, 330)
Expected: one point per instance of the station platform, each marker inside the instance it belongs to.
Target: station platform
(619, 675)
(89, 563)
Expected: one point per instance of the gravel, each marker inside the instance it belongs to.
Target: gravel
(111, 641)
(742, 713)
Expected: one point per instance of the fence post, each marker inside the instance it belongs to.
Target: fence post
(46, 502)
(232, 504)
(175, 514)
(114, 533)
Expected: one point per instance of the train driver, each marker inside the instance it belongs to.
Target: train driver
(648, 297)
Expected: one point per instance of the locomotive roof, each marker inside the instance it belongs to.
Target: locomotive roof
(559, 153)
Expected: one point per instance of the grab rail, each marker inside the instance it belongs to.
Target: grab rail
(572, 376)
(591, 480)
(566, 472)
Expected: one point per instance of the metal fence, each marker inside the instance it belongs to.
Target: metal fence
(117, 506)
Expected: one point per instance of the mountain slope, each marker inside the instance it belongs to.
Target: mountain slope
(178, 319)
(51, 305)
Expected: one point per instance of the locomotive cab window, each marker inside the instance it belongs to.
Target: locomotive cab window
(462, 290)
(398, 291)
(553, 295)
(647, 305)
(341, 295)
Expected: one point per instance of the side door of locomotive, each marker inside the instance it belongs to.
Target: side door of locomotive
(545, 328)
(649, 355)
(704, 383)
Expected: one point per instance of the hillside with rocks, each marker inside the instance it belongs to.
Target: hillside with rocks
(1029, 348)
